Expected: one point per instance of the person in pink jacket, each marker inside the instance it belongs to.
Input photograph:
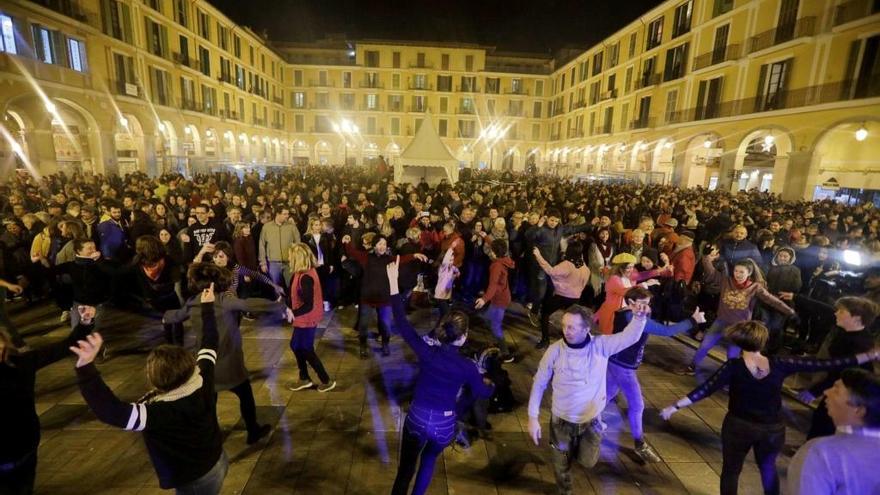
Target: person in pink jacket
(569, 277)
(623, 277)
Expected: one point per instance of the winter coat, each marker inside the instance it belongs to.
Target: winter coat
(498, 288)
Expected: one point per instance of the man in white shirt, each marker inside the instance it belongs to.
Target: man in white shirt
(576, 367)
(846, 462)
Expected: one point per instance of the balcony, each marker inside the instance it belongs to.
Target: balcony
(723, 54)
(225, 78)
(423, 65)
(466, 110)
(515, 112)
(579, 104)
(71, 9)
(608, 95)
(278, 99)
(189, 104)
(805, 26)
(600, 130)
(185, 60)
(321, 84)
(648, 80)
(259, 122)
(467, 89)
(278, 126)
(209, 110)
(418, 108)
(516, 92)
(854, 10)
(421, 87)
(374, 108)
(642, 123)
(229, 114)
(395, 107)
(124, 88)
(321, 105)
(367, 84)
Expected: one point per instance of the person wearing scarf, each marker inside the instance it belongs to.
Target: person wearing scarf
(599, 256)
(623, 277)
(737, 302)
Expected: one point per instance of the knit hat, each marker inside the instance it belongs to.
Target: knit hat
(651, 254)
(624, 259)
(671, 222)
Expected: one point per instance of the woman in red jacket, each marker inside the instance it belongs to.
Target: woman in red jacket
(497, 294)
(623, 277)
(307, 304)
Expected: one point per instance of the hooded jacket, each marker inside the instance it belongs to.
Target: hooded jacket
(498, 289)
(784, 278)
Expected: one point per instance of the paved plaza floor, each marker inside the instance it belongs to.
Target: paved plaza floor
(346, 441)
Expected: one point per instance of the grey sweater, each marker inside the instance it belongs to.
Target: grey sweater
(275, 240)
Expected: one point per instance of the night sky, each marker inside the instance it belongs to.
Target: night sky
(538, 26)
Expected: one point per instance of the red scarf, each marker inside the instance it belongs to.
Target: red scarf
(741, 286)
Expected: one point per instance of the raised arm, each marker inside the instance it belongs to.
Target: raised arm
(769, 299)
(719, 379)
(608, 345)
(790, 364)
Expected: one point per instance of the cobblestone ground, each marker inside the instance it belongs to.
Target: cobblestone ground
(346, 441)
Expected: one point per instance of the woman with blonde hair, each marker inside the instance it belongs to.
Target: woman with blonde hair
(307, 303)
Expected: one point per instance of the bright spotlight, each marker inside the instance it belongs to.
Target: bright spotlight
(851, 257)
(861, 134)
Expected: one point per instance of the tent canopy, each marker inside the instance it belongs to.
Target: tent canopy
(426, 156)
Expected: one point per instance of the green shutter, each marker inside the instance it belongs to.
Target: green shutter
(126, 23)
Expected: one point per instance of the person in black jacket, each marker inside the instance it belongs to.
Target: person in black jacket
(19, 423)
(159, 277)
(322, 242)
(91, 278)
(178, 417)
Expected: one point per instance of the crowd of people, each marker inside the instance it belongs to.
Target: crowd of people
(787, 287)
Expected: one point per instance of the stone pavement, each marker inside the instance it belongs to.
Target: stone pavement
(346, 441)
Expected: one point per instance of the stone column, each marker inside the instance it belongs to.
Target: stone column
(800, 176)
(728, 175)
(41, 148)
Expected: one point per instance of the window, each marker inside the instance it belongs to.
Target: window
(299, 123)
(7, 35)
(608, 123)
(594, 92)
(123, 67)
(155, 5)
(160, 86)
(420, 59)
(539, 88)
(223, 37)
(632, 44)
(209, 99)
(187, 93)
(466, 128)
(322, 100)
(395, 126)
(863, 67)
(116, 19)
(181, 12)
(772, 83)
(675, 62)
(236, 46)
(395, 103)
(205, 60)
(536, 132)
(536, 110)
(299, 99)
(395, 60)
(493, 84)
(562, 83)
(183, 42)
(76, 54)
(624, 115)
(441, 127)
(44, 45)
(468, 84)
(204, 25)
(597, 63)
(722, 7)
(613, 54)
(682, 22)
(395, 81)
(516, 86)
(239, 77)
(469, 63)
(612, 81)
(649, 78)
(515, 108)
(371, 101)
(467, 105)
(157, 38)
(346, 101)
(655, 34)
(444, 104)
(671, 103)
(708, 99)
(444, 61)
(627, 82)
(644, 112)
(582, 69)
(371, 58)
(346, 79)
(444, 83)
(297, 78)
(418, 103)
(419, 82)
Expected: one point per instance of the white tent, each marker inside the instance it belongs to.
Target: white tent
(426, 156)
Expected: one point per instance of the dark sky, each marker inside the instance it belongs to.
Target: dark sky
(511, 25)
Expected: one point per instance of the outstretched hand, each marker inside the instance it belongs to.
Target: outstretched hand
(699, 316)
(667, 412)
(640, 310)
(208, 295)
(393, 270)
(86, 350)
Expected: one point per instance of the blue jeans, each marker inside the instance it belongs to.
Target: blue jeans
(626, 380)
(383, 313)
(738, 437)
(278, 272)
(495, 316)
(303, 346)
(712, 337)
(426, 432)
(210, 483)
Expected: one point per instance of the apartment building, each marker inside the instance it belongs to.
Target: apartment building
(776, 94)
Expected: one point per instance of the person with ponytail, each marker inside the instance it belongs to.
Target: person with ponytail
(623, 277)
(737, 302)
(430, 423)
(307, 303)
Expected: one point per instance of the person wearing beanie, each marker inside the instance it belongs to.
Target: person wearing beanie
(782, 276)
(623, 277)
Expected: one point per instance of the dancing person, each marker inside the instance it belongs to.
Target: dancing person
(497, 295)
(222, 255)
(159, 279)
(19, 423)
(575, 367)
(754, 409)
(739, 293)
(569, 278)
(845, 462)
(429, 426)
(306, 298)
(623, 277)
(178, 417)
(622, 366)
(231, 373)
